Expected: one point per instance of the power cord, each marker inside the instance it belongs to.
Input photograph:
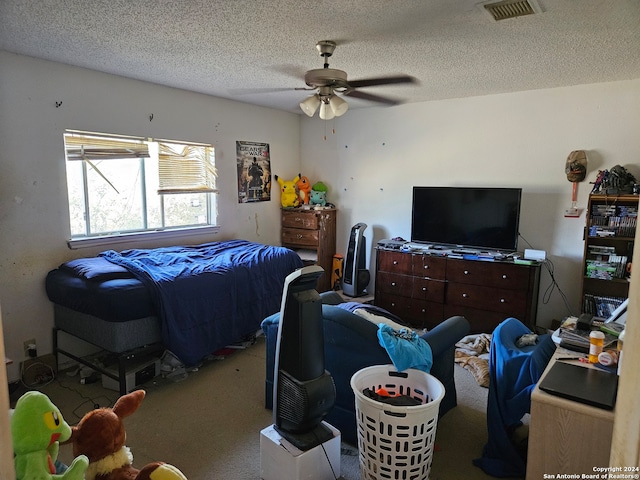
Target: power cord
(326, 455)
(93, 402)
(42, 377)
(546, 297)
(548, 264)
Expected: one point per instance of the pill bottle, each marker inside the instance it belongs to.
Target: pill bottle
(596, 342)
(608, 358)
(620, 342)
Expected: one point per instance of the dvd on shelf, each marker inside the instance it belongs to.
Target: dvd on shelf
(601, 306)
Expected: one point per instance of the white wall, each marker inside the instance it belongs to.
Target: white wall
(513, 140)
(34, 224)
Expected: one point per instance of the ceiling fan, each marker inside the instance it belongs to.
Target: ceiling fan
(329, 82)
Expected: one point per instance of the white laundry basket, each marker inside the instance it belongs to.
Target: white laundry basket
(396, 442)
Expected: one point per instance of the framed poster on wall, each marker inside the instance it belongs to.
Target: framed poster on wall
(254, 172)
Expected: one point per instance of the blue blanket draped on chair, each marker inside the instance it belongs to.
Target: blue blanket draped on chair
(514, 372)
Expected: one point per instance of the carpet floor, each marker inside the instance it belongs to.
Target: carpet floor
(208, 425)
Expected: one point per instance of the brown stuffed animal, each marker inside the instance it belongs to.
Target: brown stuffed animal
(100, 436)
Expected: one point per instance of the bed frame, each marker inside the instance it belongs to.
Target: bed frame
(122, 343)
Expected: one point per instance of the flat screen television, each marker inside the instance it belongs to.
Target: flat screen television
(483, 218)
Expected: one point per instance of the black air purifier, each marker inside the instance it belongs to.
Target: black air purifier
(303, 391)
(355, 276)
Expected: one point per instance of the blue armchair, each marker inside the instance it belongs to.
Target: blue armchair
(351, 343)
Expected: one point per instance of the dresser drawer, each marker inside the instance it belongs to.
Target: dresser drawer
(500, 275)
(394, 284)
(400, 306)
(510, 302)
(428, 289)
(417, 313)
(429, 266)
(480, 321)
(298, 219)
(423, 314)
(300, 237)
(395, 262)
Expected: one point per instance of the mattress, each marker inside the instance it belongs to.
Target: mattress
(109, 299)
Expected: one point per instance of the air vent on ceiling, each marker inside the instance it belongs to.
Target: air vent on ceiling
(511, 8)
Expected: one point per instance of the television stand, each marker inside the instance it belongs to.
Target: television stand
(424, 288)
(280, 459)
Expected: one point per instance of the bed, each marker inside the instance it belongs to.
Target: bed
(190, 300)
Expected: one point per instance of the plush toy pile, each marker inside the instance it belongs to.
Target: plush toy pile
(297, 192)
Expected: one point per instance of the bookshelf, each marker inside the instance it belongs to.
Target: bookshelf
(608, 250)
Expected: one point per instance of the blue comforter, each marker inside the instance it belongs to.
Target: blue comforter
(210, 295)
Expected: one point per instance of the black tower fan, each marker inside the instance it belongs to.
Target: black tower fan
(303, 391)
(355, 276)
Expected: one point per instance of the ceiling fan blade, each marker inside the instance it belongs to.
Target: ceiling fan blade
(372, 98)
(372, 82)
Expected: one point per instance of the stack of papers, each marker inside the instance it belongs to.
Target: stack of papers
(571, 336)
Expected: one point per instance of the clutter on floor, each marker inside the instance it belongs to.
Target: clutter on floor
(472, 353)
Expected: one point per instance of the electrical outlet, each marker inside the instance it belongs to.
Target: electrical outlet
(28, 345)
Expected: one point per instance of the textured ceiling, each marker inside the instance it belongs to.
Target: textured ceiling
(229, 48)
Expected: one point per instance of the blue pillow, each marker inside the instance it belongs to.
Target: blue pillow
(96, 268)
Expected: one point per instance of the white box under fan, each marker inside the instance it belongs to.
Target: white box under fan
(136, 375)
(280, 460)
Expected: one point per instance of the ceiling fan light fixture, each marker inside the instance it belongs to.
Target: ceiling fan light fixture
(338, 105)
(310, 105)
(326, 112)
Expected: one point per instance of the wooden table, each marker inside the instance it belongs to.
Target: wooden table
(566, 437)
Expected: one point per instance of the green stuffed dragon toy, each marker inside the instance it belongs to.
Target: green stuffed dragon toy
(37, 428)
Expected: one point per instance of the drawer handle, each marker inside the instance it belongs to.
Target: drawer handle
(424, 289)
(393, 284)
(426, 266)
(299, 235)
(464, 295)
(466, 272)
(424, 310)
(395, 262)
(502, 300)
(298, 219)
(504, 276)
(393, 304)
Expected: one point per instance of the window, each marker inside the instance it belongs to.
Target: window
(121, 185)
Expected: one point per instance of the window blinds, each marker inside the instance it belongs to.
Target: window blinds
(182, 167)
(85, 146)
(185, 168)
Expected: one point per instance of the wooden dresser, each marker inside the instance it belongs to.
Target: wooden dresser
(425, 289)
(312, 232)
